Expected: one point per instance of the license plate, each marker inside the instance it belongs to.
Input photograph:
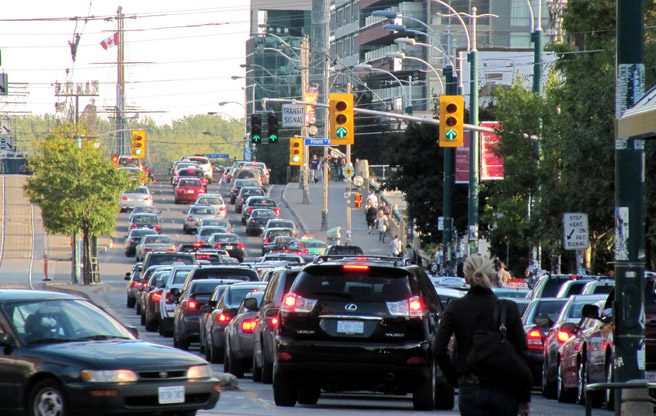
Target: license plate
(350, 327)
(650, 376)
(190, 191)
(227, 247)
(171, 394)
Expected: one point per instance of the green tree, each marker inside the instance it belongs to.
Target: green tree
(77, 189)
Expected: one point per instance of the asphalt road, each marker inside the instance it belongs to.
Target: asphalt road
(248, 398)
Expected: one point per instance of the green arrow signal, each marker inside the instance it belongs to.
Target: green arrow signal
(341, 132)
(451, 135)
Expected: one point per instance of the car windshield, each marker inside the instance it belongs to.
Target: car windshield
(156, 239)
(316, 244)
(189, 182)
(216, 221)
(226, 273)
(263, 203)
(252, 192)
(225, 238)
(145, 219)
(139, 191)
(180, 276)
(140, 232)
(61, 320)
(203, 287)
(202, 210)
(278, 233)
(170, 258)
(205, 231)
(549, 310)
(210, 200)
(237, 294)
(262, 213)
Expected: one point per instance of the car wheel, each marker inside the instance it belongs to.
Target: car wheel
(257, 372)
(130, 303)
(47, 398)
(444, 394)
(285, 390)
(548, 386)
(183, 344)
(235, 365)
(152, 324)
(142, 319)
(423, 395)
(309, 394)
(267, 370)
(609, 393)
(216, 354)
(596, 397)
(581, 381)
(563, 394)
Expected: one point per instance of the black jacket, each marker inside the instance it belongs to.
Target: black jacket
(465, 315)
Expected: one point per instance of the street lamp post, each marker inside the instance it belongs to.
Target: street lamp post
(406, 103)
(401, 55)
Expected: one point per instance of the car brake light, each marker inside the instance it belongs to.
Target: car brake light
(124, 198)
(132, 226)
(171, 249)
(273, 322)
(198, 243)
(223, 318)
(248, 326)
(202, 256)
(191, 305)
(265, 240)
(179, 190)
(169, 298)
(249, 210)
(294, 303)
(155, 296)
(240, 245)
(534, 339)
(563, 336)
(217, 245)
(355, 268)
(148, 249)
(134, 284)
(276, 212)
(412, 307)
(191, 219)
(148, 198)
(251, 221)
(157, 228)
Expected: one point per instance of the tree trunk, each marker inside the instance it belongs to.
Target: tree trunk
(86, 259)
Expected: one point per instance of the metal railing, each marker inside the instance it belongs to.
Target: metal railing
(638, 384)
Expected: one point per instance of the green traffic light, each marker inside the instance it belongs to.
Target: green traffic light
(256, 138)
(273, 138)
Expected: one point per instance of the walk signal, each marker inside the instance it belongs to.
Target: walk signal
(357, 197)
(296, 151)
(256, 128)
(342, 129)
(138, 144)
(452, 112)
(272, 127)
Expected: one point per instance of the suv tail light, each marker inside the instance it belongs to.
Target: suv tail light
(198, 243)
(157, 228)
(134, 284)
(276, 212)
(156, 296)
(563, 335)
(294, 303)
(240, 245)
(413, 307)
(189, 219)
(223, 318)
(534, 339)
(265, 240)
(191, 305)
(248, 326)
(273, 322)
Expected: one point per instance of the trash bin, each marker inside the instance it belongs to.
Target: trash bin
(334, 235)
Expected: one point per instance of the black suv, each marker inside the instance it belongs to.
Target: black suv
(353, 325)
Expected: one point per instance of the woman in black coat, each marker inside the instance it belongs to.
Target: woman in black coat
(477, 395)
(370, 215)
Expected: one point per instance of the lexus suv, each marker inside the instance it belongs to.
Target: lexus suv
(358, 324)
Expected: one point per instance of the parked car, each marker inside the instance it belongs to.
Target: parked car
(150, 243)
(239, 335)
(214, 200)
(257, 220)
(140, 197)
(188, 189)
(562, 330)
(334, 309)
(64, 351)
(267, 321)
(221, 315)
(258, 202)
(244, 193)
(145, 221)
(194, 216)
(229, 242)
(186, 316)
(134, 237)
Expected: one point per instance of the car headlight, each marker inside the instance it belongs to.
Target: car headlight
(108, 376)
(199, 371)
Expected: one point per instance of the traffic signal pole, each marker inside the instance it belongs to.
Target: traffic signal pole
(447, 185)
(629, 215)
(305, 84)
(474, 162)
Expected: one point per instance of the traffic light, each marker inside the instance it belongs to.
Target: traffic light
(357, 197)
(272, 127)
(256, 128)
(115, 159)
(138, 144)
(341, 119)
(296, 151)
(452, 112)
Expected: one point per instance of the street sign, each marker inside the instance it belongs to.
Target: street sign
(341, 132)
(575, 231)
(317, 141)
(293, 115)
(218, 156)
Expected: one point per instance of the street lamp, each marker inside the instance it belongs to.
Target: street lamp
(405, 98)
(413, 42)
(401, 55)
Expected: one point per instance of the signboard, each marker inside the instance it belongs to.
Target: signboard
(462, 160)
(311, 96)
(317, 141)
(293, 115)
(575, 231)
(491, 163)
(218, 156)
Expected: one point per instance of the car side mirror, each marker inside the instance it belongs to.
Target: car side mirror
(133, 330)
(590, 311)
(127, 276)
(250, 304)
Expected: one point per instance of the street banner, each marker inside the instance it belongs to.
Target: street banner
(311, 95)
(462, 161)
(491, 162)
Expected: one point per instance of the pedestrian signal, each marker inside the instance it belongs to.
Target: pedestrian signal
(342, 128)
(357, 197)
(452, 112)
(296, 151)
(138, 144)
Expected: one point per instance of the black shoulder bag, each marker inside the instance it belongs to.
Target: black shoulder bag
(495, 359)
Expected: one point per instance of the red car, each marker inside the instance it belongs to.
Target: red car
(190, 172)
(188, 189)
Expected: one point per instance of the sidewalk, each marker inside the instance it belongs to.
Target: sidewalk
(308, 216)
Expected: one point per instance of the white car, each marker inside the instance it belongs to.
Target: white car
(175, 279)
(151, 243)
(204, 164)
(213, 200)
(140, 197)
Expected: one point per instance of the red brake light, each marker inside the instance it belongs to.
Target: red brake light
(190, 218)
(294, 303)
(289, 302)
(273, 322)
(534, 339)
(134, 284)
(171, 249)
(156, 296)
(223, 318)
(202, 256)
(355, 268)
(157, 227)
(265, 240)
(248, 326)
(563, 336)
(240, 245)
(192, 305)
(169, 298)
(198, 244)
(124, 198)
(276, 211)
(416, 306)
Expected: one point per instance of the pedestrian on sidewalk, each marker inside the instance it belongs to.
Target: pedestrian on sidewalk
(381, 226)
(372, 198)
(370, 215)
(382, 206)
(396, 246)
(314, 168)
(408, 254)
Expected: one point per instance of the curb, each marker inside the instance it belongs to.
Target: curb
(290, 208)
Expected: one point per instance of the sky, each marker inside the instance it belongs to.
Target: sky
(180, 56)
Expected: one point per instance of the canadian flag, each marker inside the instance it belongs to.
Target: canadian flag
(110, 41)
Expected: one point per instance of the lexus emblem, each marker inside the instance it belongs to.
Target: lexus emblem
(163, 374)
(351, 307)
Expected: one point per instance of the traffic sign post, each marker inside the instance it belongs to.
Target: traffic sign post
(575, 229)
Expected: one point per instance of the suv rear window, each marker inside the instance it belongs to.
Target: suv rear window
(226, 273)
(336, 283)
(551, 287)
(236, 295)
(203, 288)
(170, 258)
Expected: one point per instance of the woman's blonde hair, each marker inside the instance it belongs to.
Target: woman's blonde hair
(479, 271)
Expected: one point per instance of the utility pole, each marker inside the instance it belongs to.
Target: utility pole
(629, 360)
(321, 75)
(537, 52)
(120, 86)
(305, 83)
(447, 184)
(472, 212)
(347, 181)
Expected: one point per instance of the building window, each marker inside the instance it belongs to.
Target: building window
(519, 13)
(347, 14)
